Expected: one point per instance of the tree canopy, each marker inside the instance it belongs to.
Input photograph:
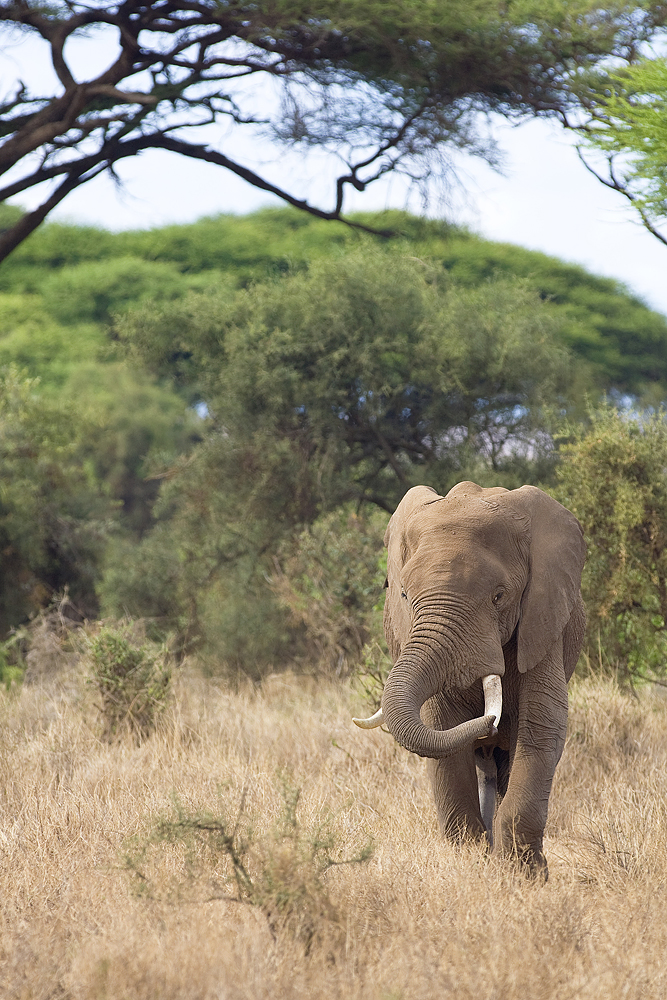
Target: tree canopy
(82, 274)
(369, 363)
(385, 85)
(54, 515)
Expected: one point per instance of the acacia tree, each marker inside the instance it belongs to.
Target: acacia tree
(357, 379)
(385, 84)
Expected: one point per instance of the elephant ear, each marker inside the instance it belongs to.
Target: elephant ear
(557, 554)
(398, 552)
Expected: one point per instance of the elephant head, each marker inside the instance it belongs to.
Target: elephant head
(465, 573)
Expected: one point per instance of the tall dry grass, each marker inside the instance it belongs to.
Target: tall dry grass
(421, 919)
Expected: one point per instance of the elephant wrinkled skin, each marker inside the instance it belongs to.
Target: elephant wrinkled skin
(483, 594)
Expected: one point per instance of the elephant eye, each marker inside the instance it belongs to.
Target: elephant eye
(403, 594)
(498, 596)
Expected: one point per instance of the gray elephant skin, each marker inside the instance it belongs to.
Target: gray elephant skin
(484, 622)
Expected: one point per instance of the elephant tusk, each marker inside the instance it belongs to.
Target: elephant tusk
(493, 697)
(372, 723)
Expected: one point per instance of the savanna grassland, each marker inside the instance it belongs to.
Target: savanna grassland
(119, 859)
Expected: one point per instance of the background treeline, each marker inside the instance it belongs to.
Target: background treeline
(205, 426)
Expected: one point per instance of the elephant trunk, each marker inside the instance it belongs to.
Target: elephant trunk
(401, 704)
(417, 675)
(459, 736)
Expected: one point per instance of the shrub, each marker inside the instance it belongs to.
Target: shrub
(613, 476)
(132, 679)
(330, 578)
(12, 664)
(54, 516)
(281, 872)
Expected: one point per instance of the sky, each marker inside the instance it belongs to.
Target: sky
(543, 199)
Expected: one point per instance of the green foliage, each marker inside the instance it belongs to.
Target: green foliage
(623, 342)
(126, 417)
(54, 519)
(613, 477)
(336, 369)
(383, 85)
(93, 292)
(141, 579)
(628, 108)
(33, 341)
(12, 663)
(55, 246)
(9, 215)
(282, 872)
(132, 680)
(238, 626)
(330, 577)
(268, 242)
(76, 463)
(352, 380)
(201, 569)
(373, 670)
(135, 428)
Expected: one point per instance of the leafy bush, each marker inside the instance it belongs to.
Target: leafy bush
(373, 670)
(12, 664)
(54, 517)
(360, 377)
(622, 340)
(141, 579)
(613, 476)
(132, 680)
(334, 368)
(37, 344)
(330, 579)
(134, 428)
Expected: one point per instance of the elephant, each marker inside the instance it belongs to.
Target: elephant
(484, 622)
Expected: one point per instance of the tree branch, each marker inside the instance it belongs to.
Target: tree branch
(27, 224)
(395, 91)
(616, 185)
(79, 172)
(212, 156)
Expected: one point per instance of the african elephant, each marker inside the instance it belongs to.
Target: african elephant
(484, 621)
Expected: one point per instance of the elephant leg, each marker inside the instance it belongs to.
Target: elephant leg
(542, 722)
(454, 779)
(487, 787)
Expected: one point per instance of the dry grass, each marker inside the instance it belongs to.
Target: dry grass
(421, 919)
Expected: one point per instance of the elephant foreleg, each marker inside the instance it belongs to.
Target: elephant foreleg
(542, 721)
(454, 779)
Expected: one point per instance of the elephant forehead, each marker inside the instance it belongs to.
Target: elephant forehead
(466, 523)
(461, 564)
